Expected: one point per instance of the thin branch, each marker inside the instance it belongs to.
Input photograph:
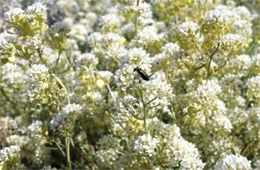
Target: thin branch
(63, 86)
(57, 61)
(110, 92)
(210, 60)
(64, 71)
(67, 142)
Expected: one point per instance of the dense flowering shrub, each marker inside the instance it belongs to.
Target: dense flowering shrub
(130, 84)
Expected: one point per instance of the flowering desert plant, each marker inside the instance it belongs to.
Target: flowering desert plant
(132, 84)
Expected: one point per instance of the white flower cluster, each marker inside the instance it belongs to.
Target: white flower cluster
(232, 96)
(35, 129)
(232, 162)
(243, 27)
(10, 15)
(178, 152)
(18, 140)
(188, 28)
(64, 119)
(110, 22)
(38, 73)
(9, 153)
(105, 75)
(136, 57)
(256, 64)
(159, 91)
(39, 79)
(253, 92)
(217, 16)
(109, 151)
(58, 121)
(232, 40)
(35, 14)
(146, 37)
(130, 84)
(72, 109)
(37, 8)
(169, 51)
(240, 65)
(88, 59)
(146, 145)
(7, 46)
(12, 74)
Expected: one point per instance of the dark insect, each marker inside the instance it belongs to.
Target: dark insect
(142, 73)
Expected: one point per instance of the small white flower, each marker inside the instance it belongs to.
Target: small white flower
(111, 38)
(91, 17)
(209, 88)
(109, 21)
(241, 12)
(37, 8)
(188, 28)
(79, 32)
(65, 117)
(243, 27)
(145, 144)
(9, 152)
(38, 72)
(87, 59)
(105, 75)
(13, 74)
(148, 35)
(221, 121)
(159, 58)
(10, 15)
(256, 63)
(137, 57)
(18, 140)
(217, 17)
(95, 39)
(107, 158)
(35, 129)
(231, 40)
(241, 64)
(170, 48)
(253, 86)
(72, 109)
(56, 122)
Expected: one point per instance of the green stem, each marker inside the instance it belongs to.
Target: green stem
(57, 61)
(109, 89)
(145, 118)
(67, 143)
(6, 96)
(144, 110)
(63, 86)
(251, 150)
(9, 100)
(210, 60)
(40, 55)
(151, 101)
(196, 46)
(65, 70)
